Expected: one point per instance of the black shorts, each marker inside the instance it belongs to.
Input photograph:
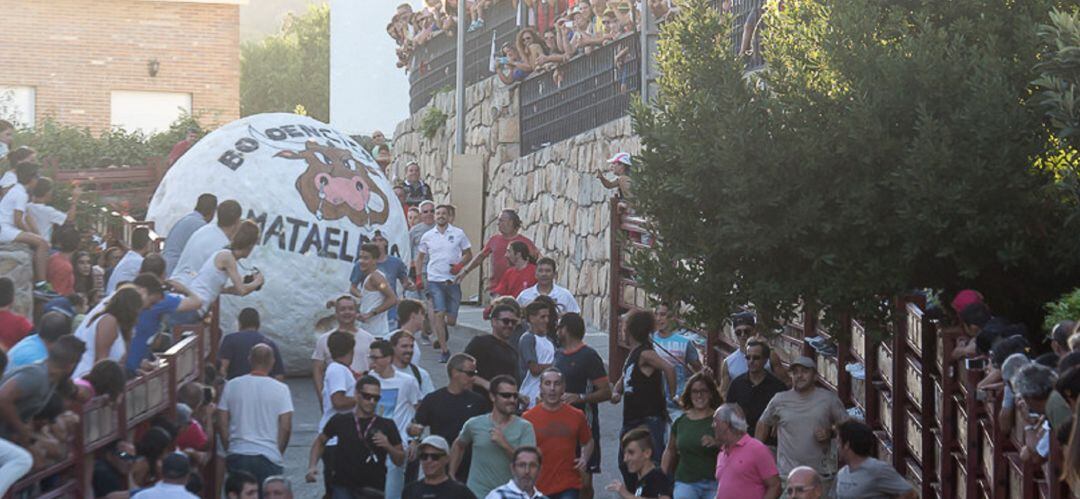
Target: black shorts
(594, 460)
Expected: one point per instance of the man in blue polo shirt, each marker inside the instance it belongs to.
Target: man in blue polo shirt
(149, 322)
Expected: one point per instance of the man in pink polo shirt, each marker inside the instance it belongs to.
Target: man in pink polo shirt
(745, 468)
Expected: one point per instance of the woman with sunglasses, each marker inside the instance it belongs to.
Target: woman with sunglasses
(691, 451)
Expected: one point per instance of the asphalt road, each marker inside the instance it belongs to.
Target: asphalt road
(470, 323)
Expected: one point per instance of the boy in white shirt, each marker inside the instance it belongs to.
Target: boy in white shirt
(15, 226)
(338, 394)
(45, 216)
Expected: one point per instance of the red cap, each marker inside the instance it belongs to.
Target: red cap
(964, 298)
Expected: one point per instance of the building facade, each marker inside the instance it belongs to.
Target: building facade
(134, 64)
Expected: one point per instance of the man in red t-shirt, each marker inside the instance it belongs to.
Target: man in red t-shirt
(182, 147)
(13, 327)
(509, 225)
(520, 275)
(59, 271)
(560, 429)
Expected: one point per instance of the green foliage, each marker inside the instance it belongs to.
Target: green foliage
(289, 69)
(887, 146)
(77, 148)
(1059, 81)
(1066, 308)
(432, 122)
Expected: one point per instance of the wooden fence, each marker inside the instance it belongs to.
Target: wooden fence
(127, 187)
(931, 423)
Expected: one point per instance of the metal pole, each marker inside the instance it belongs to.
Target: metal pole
(459, 81)
(647, 28)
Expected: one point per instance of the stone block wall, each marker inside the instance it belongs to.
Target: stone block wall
(564, 209)
(17, 264)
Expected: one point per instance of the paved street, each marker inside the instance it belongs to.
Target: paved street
(306, 403)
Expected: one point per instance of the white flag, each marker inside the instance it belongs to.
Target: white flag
(492, 66)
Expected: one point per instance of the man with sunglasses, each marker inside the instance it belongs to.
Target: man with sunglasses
(400, 396)
(493, 352)
(753, 390)
(437, 484)
(744, 327)
(447, 409)
(365, 442)
(492, 439)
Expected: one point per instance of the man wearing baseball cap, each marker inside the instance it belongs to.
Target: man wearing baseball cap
(175, 471)
(805, 417)
(620, 166)
(436, 484)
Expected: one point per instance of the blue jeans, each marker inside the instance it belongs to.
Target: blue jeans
(657, 426)
(255, 464)
(705, 489)
(445, 297)
(566, 494)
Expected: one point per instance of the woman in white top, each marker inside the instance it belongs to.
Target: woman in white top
(107, 330)
(222, 268)
(376, 295)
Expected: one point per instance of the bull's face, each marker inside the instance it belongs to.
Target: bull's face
(336, 185)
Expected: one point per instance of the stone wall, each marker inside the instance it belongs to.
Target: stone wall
(17, 264)
(565, 210)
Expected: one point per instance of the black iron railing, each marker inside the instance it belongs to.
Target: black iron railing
(434, 63)
(747, 20)
(594, 90)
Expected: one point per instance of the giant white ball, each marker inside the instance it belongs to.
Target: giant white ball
(317, 195)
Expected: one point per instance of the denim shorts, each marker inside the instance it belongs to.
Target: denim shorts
(445, 297)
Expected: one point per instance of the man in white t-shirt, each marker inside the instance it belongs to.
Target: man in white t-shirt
(445, 250)
(128, 266)
(345, 315)
(338, 395)
(206, 241)
(16, 227)
(400, 397)
(45, 216)
(546, 272)
(536, 351)
(256, 418)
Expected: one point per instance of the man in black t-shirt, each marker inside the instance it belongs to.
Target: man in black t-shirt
(446, 410)
(586, 383)
(365, 441)
(493, 353)
(650, 481)
(434, 458)
(756, 387)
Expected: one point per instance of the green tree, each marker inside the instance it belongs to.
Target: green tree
(887, 146)
(289, 69)
(1060, 73)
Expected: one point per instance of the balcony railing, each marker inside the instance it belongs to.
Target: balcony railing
(747, 17)
(434, 63)
(596, 88)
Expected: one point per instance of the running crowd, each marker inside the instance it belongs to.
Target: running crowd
(518, 417)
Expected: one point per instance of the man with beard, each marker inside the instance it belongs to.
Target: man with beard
(560, 431)
(345, 315)
(493, 438)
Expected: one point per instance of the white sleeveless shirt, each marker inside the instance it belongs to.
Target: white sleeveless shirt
(379, 325)
(87, 332)
(208, 283)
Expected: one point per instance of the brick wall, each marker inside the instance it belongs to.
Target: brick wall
(75, 52)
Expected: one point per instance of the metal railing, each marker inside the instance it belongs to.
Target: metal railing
(744, 12)
(433, 64)
(595, 89)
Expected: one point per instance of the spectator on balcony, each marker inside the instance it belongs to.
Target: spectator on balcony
(530, 48)
(59, 270)
(416, 190)
(546, 273)
(1033, 384)
(182, 147)
(862, 474)
(183, 229)
(206, 241)
(148, 325)
(45, 216)
(107, 329)
(89, 278)
(236, 348)
(106, 378)
(625, 18)
(805, 417)
(255, 416)
(128, 266)
(426, 24)
(25, 390)
(15, 461)
(16, 227)
(1007, 413)
(13, 327)
(585, 35)
(345, 317)
(662, 9)
(512, 68)
(556, 55)
(620, 166)
(509, 225)
(35, 348)
(546, 12)
(692, 449)
(221, 269)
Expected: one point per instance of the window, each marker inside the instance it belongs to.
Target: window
(147, 111)
(17, 105)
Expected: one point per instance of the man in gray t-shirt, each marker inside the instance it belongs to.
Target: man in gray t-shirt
(25, 390)
(864, 477)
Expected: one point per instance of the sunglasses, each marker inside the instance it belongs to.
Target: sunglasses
(742, 332)
(368, 396)
(754, 357)
(431, 456)
(376, 357)
(509, 322)
(474, 372)
(508, 395)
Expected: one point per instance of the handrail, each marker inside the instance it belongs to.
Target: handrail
(104, 421)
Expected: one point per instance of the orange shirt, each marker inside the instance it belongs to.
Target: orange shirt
(60, 274)
(558, 435)
(514, 281)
